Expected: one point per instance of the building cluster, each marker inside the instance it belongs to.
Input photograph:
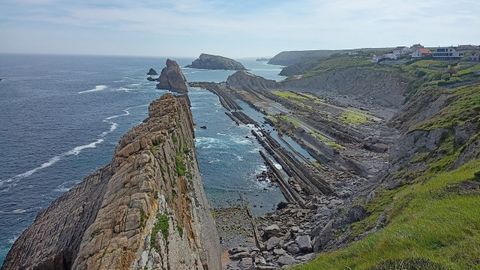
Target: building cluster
(417, 51)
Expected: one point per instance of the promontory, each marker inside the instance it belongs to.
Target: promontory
(209, 61)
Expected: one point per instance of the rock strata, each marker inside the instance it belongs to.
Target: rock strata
(172, 78)
(208, 61)
(145, 210)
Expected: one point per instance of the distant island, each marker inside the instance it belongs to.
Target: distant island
(262, 59)
(209, 61)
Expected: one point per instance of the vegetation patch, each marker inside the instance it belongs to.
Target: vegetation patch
(180, 164)
(354, 117)
(424, 223)
(464, 104)
(326, 140)
(161, 225)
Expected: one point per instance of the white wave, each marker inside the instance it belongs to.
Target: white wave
(19, 211)
(12, 240)
(254, 150)
(215, 160)
(239, 158)
(75, 151)
(124, 89)
(240, 140)
(96, 89)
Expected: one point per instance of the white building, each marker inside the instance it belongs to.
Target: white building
(446, 53)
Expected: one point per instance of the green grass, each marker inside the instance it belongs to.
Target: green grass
(180, 164)
(338, 62)
(425, 221)
(353, 117)
(161, 225)
(327, 140)
(464, 104)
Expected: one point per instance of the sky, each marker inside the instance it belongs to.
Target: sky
(233, 28)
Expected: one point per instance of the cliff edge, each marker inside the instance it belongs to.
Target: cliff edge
(145, 210)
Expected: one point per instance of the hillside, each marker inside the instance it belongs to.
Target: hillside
(424, 213)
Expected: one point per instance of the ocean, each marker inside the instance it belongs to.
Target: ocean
(62, 116)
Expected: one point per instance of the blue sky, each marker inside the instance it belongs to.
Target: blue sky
(231, 28)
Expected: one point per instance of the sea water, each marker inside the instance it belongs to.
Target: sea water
(62, 116)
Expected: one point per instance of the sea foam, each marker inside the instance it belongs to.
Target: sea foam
(96, 89)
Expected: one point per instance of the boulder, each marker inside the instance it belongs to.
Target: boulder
(273, 242)
(172, 78)
(209, 61)
(246, 263)
(272, 230)
(286, 260)
(304, 243)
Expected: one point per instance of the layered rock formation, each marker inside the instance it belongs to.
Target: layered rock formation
(145, 210)
(248, 81)
(208, 61)
(172, 78)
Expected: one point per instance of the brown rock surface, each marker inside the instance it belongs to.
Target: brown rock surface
(146, 210)
(172, 78)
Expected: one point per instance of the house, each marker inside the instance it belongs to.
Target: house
(421, 53)
(416, 46)
(475, 58)
(402, 50)
(446, 53)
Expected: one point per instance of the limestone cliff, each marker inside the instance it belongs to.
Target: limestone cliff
(145, 210)
(208, 61)
(172, 78)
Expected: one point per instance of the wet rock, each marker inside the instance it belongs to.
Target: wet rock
(203, 127)
(278, 251)
(304, 243)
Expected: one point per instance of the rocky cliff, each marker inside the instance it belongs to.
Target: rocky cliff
(374, 87)
(208, 61)
(145, 210)
(248, 81)
(172, 78)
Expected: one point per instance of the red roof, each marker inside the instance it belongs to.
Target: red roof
(424, 51)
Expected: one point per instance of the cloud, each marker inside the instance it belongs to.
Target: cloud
(303, 24)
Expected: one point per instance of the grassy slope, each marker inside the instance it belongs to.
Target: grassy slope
(428, 221)
(429, 218)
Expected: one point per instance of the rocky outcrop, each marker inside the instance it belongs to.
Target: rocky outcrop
(172, 78)
(208, 61)
(145, 210)
(152, 72)
(248, 81)
(370, 87)
(287, 58)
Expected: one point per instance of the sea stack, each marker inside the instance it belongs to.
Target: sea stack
(145, 210)
(208, 61)
(172, 78)
(152, 72)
